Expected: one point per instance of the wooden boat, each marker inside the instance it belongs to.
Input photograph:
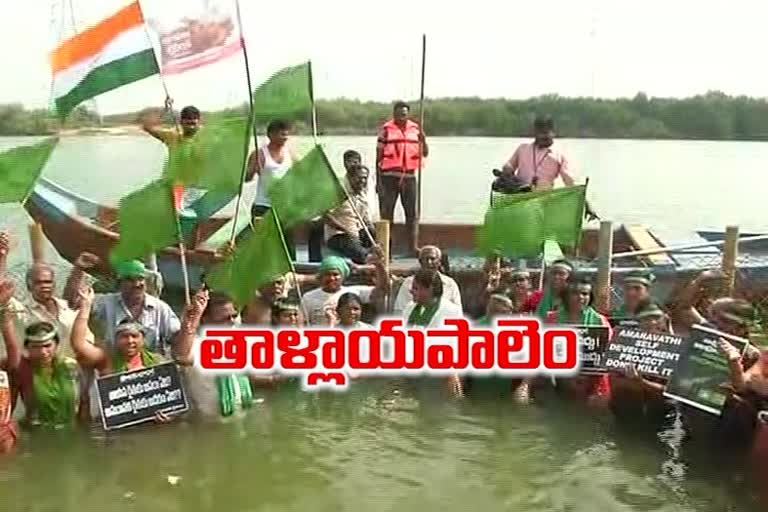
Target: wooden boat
(74, 224)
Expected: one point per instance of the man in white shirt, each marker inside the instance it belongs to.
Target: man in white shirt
(333, 271)
(430, 258)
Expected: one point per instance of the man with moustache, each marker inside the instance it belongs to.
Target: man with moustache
(42, 305)
(131, 301)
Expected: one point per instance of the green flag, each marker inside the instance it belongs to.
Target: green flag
(285, 94)
(520, 226)
(310, 188)
(147, 222)
(20, 168)
(257, 260)
(214, 158)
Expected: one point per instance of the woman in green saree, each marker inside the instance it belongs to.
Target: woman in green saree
(51, 386)
(130, 352)
(428, 310)
(542, 302)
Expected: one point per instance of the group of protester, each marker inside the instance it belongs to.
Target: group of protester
(52, 354)
(55, 346)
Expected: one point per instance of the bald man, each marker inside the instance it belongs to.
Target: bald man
(44, 306)
(430, 258)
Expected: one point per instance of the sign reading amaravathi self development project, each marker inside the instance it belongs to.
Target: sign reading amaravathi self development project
(702, 376)
(134, 397)
(652, 354)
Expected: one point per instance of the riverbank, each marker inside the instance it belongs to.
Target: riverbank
(712, 116)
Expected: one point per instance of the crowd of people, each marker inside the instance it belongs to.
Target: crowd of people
(55, 346)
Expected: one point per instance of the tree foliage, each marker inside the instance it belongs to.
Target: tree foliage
(713, 115)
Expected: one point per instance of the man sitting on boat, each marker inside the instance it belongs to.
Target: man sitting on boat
(131, 301)
(333, 271)
(538, 164)
(271, 162)
(348, 225)
(430, 258)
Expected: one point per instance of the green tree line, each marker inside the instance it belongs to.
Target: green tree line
(713, 116)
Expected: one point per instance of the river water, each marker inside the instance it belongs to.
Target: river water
(381, 447)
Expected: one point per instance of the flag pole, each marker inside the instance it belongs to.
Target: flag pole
(290, 262)
(312, 101)
(416, 225)
(251, 123)
(314, 136)
(179, 232)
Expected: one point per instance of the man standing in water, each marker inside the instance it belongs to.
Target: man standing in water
(400, 148)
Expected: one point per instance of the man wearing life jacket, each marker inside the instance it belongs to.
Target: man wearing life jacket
(400, 148)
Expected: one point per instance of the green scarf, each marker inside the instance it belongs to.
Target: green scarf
(588, 316)
(549, 302)
(55, 393)
(225, 384)
(422, 315)
(119, 364)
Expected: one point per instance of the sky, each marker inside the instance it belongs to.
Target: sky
(371, 50)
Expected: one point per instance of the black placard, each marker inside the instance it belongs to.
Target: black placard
(594, 341)
(702, 374)
(619, 322)
(652, 354)
(134, 397)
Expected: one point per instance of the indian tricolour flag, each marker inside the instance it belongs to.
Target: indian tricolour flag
(108, 55)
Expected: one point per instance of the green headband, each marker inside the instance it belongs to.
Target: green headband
(501, 298)
(40, 338)
(520, 273)
(561, 266)
(129, 326)
(733, 317)
(650, 311)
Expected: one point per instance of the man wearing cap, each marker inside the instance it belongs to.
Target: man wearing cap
(133, 302)
(430, 258)
(636, 289)
(332, 273)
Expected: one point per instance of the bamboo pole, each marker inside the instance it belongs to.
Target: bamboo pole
(36, 242)
(604, 263)
(419, 177)
(730, 253)
(382, 236)
(659, 250)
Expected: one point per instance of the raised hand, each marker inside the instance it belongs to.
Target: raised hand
(199, 302)
(87, 261)
(5, 244)
(728, 350)
(7, 287)
(86, 295)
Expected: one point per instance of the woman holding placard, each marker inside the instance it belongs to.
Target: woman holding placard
(130, 352)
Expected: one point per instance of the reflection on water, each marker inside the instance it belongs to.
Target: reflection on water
(377, 447)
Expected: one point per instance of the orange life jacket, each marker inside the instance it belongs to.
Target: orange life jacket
(400, 151)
